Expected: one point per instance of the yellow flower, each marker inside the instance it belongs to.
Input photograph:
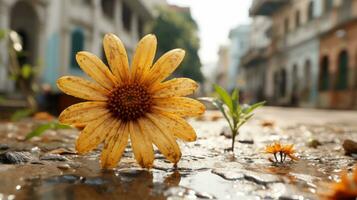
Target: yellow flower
(278, 149)
(135, 103)
(345, 189)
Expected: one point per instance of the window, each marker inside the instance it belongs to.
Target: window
(342, 78)
(346, 4)
(307, 74)
(286, 26)
(126, 17)
(77, 44)
(297, 19)
(276, 85)
(295, 79)
(108, 8)
(310, 14)
(307, 84)
(324, 74)
(282, 82)
(86, 2)
(328, 5)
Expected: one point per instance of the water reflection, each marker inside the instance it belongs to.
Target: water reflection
(123, 184)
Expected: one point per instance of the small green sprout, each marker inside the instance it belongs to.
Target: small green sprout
(44, 127)
(235, 113)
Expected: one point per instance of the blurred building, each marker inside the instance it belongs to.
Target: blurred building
(239, 42)
(54, 31)
(252, 75)
(312, 55)
(221, 75)
(229, 57)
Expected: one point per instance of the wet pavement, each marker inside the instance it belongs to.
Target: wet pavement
(48, 167)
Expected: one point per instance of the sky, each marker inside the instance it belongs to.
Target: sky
(215, 18)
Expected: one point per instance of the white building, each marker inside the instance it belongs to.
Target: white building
(54, 30)
(239, 43)
(292, 57)
(252, 75)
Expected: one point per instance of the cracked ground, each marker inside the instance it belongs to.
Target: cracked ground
(48, 167)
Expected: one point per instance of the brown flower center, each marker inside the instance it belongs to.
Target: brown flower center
(129, 102)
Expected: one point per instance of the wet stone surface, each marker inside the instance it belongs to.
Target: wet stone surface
(47, 167)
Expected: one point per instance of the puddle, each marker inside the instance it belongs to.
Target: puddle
(50, 169)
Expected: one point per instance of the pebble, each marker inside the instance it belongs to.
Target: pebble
(54, 157)
(350, 147)
(246, 141)
(68, 178)
(15, 157)
(226, 132)
(313, 143)
(64, 166)
(4, 147)
(35, 151)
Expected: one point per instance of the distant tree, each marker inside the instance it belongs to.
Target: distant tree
(177, 29)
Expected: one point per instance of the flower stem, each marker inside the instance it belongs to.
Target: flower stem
(235, 133)
(233, 140)
(276, 159)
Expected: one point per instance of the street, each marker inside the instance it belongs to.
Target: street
(47, 166)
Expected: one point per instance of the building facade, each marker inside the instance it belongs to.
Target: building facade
(338, 58)
(221, 72)
(252, 74)
(303, 37)
(239, 42)
(53, 31)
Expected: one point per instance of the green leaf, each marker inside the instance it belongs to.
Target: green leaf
(26, 71)
(235, 98)
(253, 107)
(219, 104)
(2, 34)
(244, 120)
(225, 97)
(44, 127)
(20, 114)
(235, 95)
(61, 126)
(235, 101)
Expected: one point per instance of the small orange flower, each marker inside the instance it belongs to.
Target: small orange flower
(282, 151)
(345, 189)
(273, 148)
(289, 151)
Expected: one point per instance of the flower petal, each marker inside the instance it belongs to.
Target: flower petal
(117, 57)
(81, 88)
(165, 65)
(96, 69)
(141, 145)
(161, 137)
(114, 146)
(81, 113)
(143, 57)
(94, 133)
(175, 125)
(182, 106)
(175, 87)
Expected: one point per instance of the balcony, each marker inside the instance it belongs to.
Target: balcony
(266, 7)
